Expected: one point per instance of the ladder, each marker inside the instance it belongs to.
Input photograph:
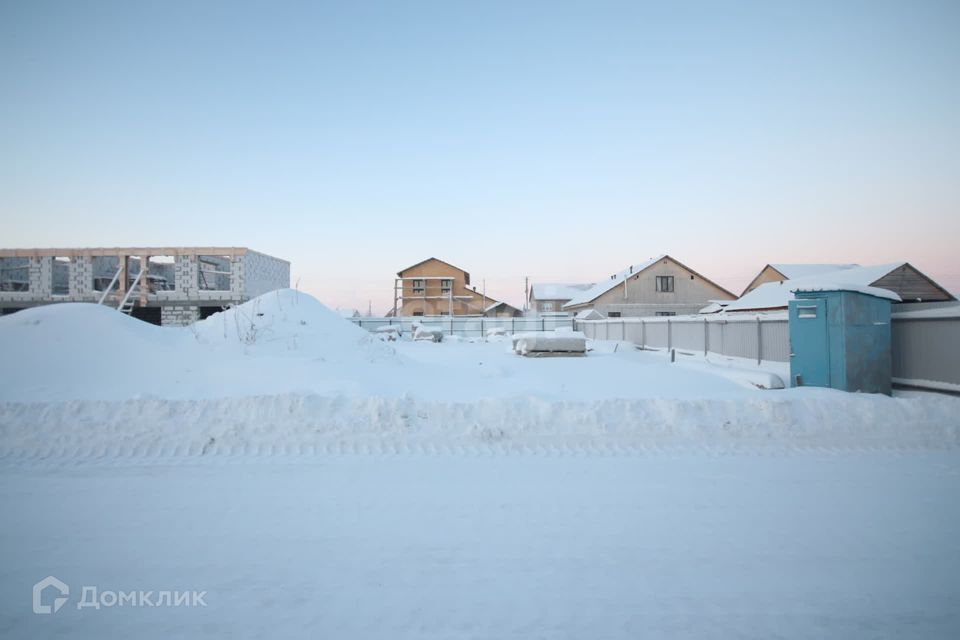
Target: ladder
(113, 283)
(129, 301)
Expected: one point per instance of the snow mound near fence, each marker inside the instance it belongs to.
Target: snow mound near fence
(287, 321)
(306, 424)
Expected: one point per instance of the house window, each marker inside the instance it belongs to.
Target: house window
(418, 286)
(665, 284)
(418, 313)
(546, 306)
(446, 286)
(666, 313)
(613, 314)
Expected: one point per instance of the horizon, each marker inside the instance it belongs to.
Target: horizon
(559, 142)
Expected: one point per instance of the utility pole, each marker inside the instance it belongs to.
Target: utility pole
(483, 311)
(526, 293)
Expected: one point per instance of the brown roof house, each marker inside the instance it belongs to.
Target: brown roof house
(433, 287)
(772, 289)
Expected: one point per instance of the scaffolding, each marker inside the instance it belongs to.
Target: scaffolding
(422, 293)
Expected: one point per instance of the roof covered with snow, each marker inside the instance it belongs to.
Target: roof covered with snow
(589, 314)
(793, 271)
(776, 295)
(600, 288)
(557, 291)
(877, 292)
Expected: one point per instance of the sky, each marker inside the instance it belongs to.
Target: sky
(552, 141)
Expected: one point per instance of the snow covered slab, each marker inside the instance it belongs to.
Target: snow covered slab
(430, 333)
(553, 342)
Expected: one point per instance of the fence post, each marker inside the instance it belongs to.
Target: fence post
(706, 337)
(669, 335)
(643, 333)
(513, 325)
(759, 342)
(623, 330)
(482, 332)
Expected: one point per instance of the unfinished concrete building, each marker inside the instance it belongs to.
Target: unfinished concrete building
(162, 285)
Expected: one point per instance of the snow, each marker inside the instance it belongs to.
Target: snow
(428, 332)
(589, 314)
(776, 295)
(815, 286)
(557, 291)
(793, 271)
(532, 342)
(603, 286)
(316, 482)
(508, 546)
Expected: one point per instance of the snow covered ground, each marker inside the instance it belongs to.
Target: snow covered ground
(317, 482)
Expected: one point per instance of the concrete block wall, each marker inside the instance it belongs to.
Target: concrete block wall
(262, 274)
(251, 274)
(178, 315)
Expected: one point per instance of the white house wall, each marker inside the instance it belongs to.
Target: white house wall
(639, 296)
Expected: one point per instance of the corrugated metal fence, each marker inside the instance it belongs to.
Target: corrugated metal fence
(925, 344)
(758, 337)
(926, 349)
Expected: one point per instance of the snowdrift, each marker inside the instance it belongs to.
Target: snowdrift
(307, 424)
(71, 350)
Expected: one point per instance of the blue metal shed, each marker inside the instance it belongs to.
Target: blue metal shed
(840, 338)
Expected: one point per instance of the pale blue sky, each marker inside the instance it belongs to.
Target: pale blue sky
(560, 141)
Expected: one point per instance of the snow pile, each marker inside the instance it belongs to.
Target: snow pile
(285, 321)
(269, 344)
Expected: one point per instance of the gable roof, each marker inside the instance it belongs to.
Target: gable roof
(499, 304)
(557, 291)
(600, 288)
(604, 286)
(792, 271)
(776, 295)
(466, 275)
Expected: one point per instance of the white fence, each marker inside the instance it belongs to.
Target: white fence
(925, 344)
(758, 337)
(467, 326)
(926, 349)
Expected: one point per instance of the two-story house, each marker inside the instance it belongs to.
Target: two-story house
(661, 286)
(433, 287)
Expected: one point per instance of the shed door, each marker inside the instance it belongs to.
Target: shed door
(809, 343)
